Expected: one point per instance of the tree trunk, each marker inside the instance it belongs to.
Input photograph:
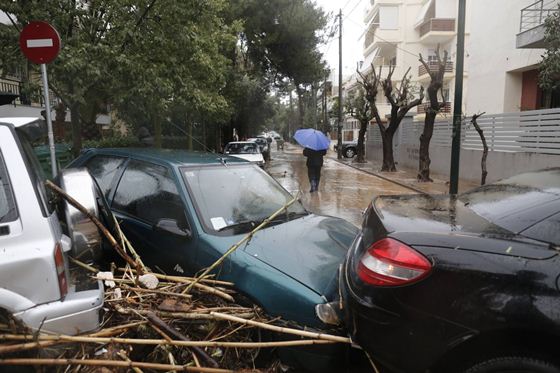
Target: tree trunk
(388, 159)
(76, 128)
(301, 107)
(360, 155)
(424, 152)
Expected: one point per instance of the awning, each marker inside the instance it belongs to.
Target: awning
(422, 15)
(7, 98)
(371, 22)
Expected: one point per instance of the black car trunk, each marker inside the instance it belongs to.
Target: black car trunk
(423, 220)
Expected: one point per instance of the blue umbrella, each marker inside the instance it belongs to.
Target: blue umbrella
(312, 139)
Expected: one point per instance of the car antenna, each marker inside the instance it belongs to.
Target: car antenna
(188, 135)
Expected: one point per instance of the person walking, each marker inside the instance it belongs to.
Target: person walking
(314, 164)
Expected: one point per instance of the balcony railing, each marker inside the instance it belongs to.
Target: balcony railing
(437, 24)
(422, 108)
(433, 65)
(535, 14)
(34, 99)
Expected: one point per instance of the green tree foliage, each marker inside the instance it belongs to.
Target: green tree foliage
(549, 77)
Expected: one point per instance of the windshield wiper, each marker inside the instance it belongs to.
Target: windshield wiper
(252, 223)
(290, 215)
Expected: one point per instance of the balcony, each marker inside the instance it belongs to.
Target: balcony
(531, 27)
(422, 108)
(437, 30)
(433, 65)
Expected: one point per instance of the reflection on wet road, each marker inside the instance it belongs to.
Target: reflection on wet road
(344, 192)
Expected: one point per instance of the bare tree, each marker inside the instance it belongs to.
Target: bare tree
(360, 108)
(484, 146)
(436, 85)
(401, 99)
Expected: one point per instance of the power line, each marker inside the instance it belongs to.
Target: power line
(354, 8)
(385, 40)
(345, 5)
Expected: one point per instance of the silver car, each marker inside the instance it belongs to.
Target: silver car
(37, 284)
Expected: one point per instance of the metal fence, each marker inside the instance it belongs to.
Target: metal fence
(536, 131)
(535, 14)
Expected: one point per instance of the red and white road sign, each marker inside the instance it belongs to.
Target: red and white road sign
(39, 42)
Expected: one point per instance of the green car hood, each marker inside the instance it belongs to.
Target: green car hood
(309, 249)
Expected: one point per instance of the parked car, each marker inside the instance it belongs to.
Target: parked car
(465, 284)
(38, 285)
(182, 211)
(247, 150)
(263, 145)
(349, 148)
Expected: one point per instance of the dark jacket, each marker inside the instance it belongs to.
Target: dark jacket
(314, 157)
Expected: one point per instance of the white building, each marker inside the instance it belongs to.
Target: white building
(504, 50)
(397, 31)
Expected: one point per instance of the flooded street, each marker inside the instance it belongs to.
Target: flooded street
(343, 192)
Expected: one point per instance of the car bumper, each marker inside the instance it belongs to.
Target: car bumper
(79, 312)
(403, 340)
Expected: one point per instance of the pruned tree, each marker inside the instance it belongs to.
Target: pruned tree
(484, 146)
(360, 108)
(434, 107)
(400, 97)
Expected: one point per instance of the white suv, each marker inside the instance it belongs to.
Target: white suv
(37, 284)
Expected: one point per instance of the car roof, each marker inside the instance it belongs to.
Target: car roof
(241, 142)
(172, 157)
(20, 121)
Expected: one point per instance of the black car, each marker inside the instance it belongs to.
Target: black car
(460, 284)
(349, 148)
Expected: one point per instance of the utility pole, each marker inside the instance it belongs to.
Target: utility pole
(457, 105)
(339, 132)
(291, 116)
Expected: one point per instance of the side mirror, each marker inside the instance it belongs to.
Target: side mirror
(172, 226)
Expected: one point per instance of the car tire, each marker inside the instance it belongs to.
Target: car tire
(349, 152)
(513, 364)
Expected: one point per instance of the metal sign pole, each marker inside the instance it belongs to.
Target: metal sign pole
(48, 115)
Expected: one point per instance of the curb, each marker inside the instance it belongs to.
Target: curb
(404, 185)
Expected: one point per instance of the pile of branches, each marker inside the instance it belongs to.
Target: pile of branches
(157, 322)
(161, 328)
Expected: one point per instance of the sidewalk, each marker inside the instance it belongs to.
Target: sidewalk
(405, 177)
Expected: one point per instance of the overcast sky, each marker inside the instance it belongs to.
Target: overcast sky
(352, 33)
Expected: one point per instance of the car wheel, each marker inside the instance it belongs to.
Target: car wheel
(349, 152)
(513, 364)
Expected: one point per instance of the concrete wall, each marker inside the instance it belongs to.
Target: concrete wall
(499, 164)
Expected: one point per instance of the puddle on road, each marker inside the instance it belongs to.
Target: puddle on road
(343, 192)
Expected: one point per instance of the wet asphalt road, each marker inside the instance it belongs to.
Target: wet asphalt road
(344, 191)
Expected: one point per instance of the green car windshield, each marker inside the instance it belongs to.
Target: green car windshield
(236, 198)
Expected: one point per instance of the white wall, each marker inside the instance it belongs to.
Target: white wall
(491, 53)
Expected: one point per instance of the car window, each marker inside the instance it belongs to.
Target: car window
(148, 192)
(37, 175)
(227, 196)
(547, 230)
(104, 168)
(242, 148)
(8, 210)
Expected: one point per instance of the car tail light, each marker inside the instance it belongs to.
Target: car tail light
(389, 262)
(60, 270)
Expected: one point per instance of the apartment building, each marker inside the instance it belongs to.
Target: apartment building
(505, 47)
(397, 31)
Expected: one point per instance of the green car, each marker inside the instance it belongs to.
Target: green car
(183, 210)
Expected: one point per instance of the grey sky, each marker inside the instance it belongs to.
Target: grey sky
(352, 33)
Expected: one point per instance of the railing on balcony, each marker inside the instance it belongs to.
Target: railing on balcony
(424, 107)
(34, 99)
(437, 24)
(433, 65)
(535, 14)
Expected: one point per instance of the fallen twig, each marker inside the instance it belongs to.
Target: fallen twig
(302, 333)
(243, 240)
(112, 363)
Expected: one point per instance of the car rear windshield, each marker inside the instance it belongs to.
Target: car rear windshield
(242, 148)
(229, 195)
(8, 210)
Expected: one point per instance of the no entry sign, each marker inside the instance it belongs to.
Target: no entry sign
(39, 42)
